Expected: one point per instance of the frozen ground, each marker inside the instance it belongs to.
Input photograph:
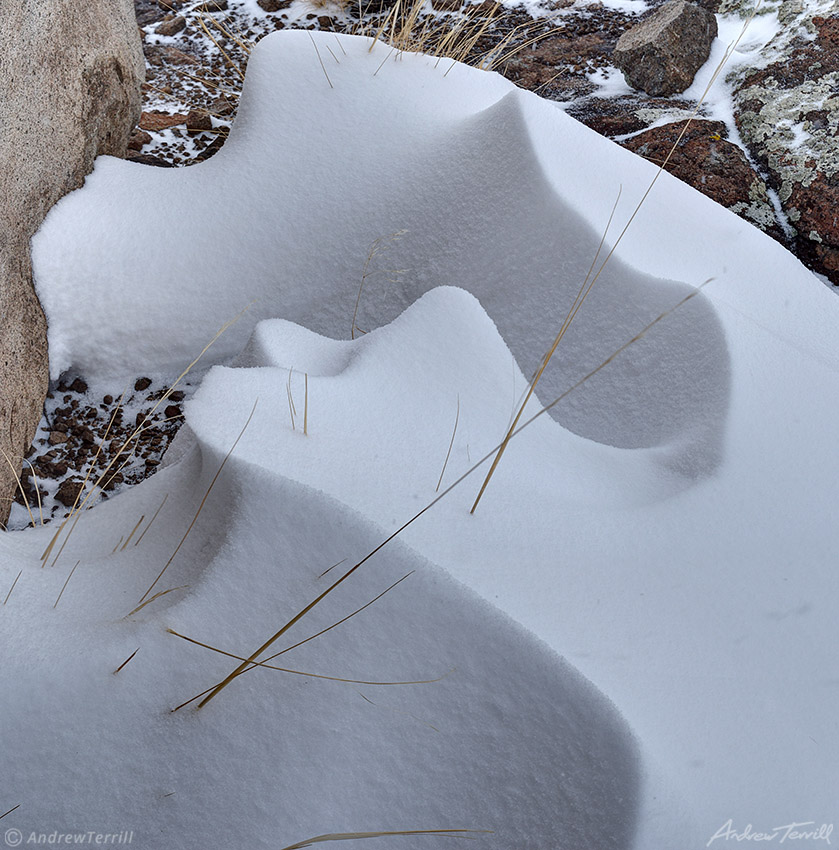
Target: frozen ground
(632, 636)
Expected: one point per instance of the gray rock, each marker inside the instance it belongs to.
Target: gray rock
(787, 113)
(70, 75)
(662, 54)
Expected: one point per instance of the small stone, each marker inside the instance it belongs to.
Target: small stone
(137, 139)
(78, 386)
(273, 5)
(222, 107)
(177, 395)
(213, 6)
(172, 411)
(57, 437)
(142, 384)
(171, 27)
(68, 491)
(446, 5)
(108, 399)
(198, 120)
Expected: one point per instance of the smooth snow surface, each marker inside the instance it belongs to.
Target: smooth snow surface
(637, 626)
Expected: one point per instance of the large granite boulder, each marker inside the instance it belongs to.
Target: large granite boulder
(70, 76)
(662, 54)
(787, 112)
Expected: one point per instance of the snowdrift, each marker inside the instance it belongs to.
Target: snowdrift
(635, 631)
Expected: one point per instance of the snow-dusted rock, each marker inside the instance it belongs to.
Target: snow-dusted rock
(787, 112)
(70, 76)
(662, 54)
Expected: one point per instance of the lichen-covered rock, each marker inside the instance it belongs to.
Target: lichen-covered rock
(704, 159)
(662, 54)
(787, 112)
(70, 75)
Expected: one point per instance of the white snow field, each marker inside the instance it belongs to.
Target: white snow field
(637, 627)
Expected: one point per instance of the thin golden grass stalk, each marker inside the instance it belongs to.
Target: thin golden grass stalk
(306, 404)
(200, 506)
(20, 487)
(398, 711)
(582, 293)
(212, 692)
(14, 808)
(14, 583)
(223, 52)
(126, 661)
(72, 514)
(122, 537)
(37, 490)
(355, 836)
(341, 621)
(587, 285)
(505, 57)
(156, 596)
(451, 443)
(76, 511)
(322, 66)
(133, 531)
(308, 639)
(151, 521)
(229, 33)
(329, 569)
(206, 82)
(67, 581)
(266, 666)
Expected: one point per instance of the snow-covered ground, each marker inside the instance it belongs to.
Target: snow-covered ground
(631, 640)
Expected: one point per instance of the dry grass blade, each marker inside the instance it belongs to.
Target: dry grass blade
(77, 508)
(451, 444)
(64, 586)
(151, 521)
(306, 404)
(267, 666)
(588, 284)
(323, 67)
(310, 638)
(355, 836)
(14, 808)
(342, 620)
(223, 52)
(201, 505)
(157, 596)
(37, 490)
(581, 296)
(126, 661)
(73, 510)
(20, 487)
(14, 583)
(133, 531)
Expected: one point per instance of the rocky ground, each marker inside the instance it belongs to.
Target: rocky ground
(779, 172)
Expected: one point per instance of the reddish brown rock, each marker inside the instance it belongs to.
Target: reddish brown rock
(198, 120)
(156, 121)
(138, 139)
(171, 27)
(704, 159)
